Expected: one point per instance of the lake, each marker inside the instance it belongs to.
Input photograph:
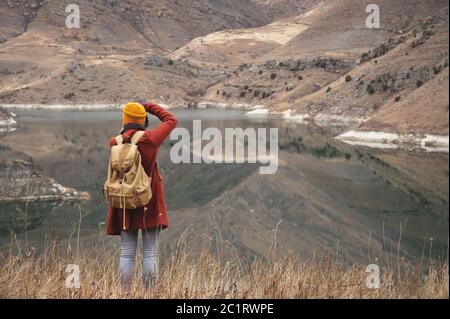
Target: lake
(354, 202)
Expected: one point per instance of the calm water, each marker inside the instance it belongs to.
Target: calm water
(326, 196)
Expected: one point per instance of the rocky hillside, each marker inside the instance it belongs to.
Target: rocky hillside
(163, 24)
(112, 56)
(22, 180)
(335, 69)
(314, 58)
(401, 85)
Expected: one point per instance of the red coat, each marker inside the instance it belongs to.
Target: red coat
(156, 213)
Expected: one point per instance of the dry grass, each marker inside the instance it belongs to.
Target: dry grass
(29, 275)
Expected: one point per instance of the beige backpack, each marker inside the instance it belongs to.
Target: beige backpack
(127, 185)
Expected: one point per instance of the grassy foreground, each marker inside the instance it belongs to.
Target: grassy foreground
(29, 275)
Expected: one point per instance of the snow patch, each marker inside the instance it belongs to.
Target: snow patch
(430, 143)
(375, 137)
(288, 115)
(330, 120)
(257, 113)
(435, 143)
(7, 129)
(8, 123)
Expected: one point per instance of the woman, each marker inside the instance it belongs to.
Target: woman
(152, 218)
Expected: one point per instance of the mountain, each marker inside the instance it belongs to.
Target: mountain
(161, 24)
(334, 67)
(115, 55)
(312, 58)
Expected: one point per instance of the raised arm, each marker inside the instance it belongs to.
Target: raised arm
(157, 136)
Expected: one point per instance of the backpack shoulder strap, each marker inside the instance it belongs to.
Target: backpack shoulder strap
(137, 136)
(119, 139)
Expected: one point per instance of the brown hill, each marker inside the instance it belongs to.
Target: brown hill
(418, 111)
(313, 57)
(164, 24)
(337, 67)
(337, 28)
(399, 86)
(111, 57)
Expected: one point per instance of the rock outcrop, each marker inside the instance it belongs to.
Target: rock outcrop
(7, 122)
(22, 180)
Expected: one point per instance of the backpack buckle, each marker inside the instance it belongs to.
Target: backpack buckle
(121, 176)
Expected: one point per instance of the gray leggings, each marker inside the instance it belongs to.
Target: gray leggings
(129, 241)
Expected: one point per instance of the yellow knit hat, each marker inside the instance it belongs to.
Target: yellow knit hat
(134, 113)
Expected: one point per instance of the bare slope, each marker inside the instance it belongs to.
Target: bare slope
(110, 59)
(319, 60)
(400, 86)
(162, 23)
(337, 28)
(337, 67)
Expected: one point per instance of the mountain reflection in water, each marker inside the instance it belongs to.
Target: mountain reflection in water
(326, 195)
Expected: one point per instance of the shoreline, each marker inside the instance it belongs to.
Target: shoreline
(46, 198)
(60, 193)
(118, 106)
(71, 107)
(384, 140)
(373, 139)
